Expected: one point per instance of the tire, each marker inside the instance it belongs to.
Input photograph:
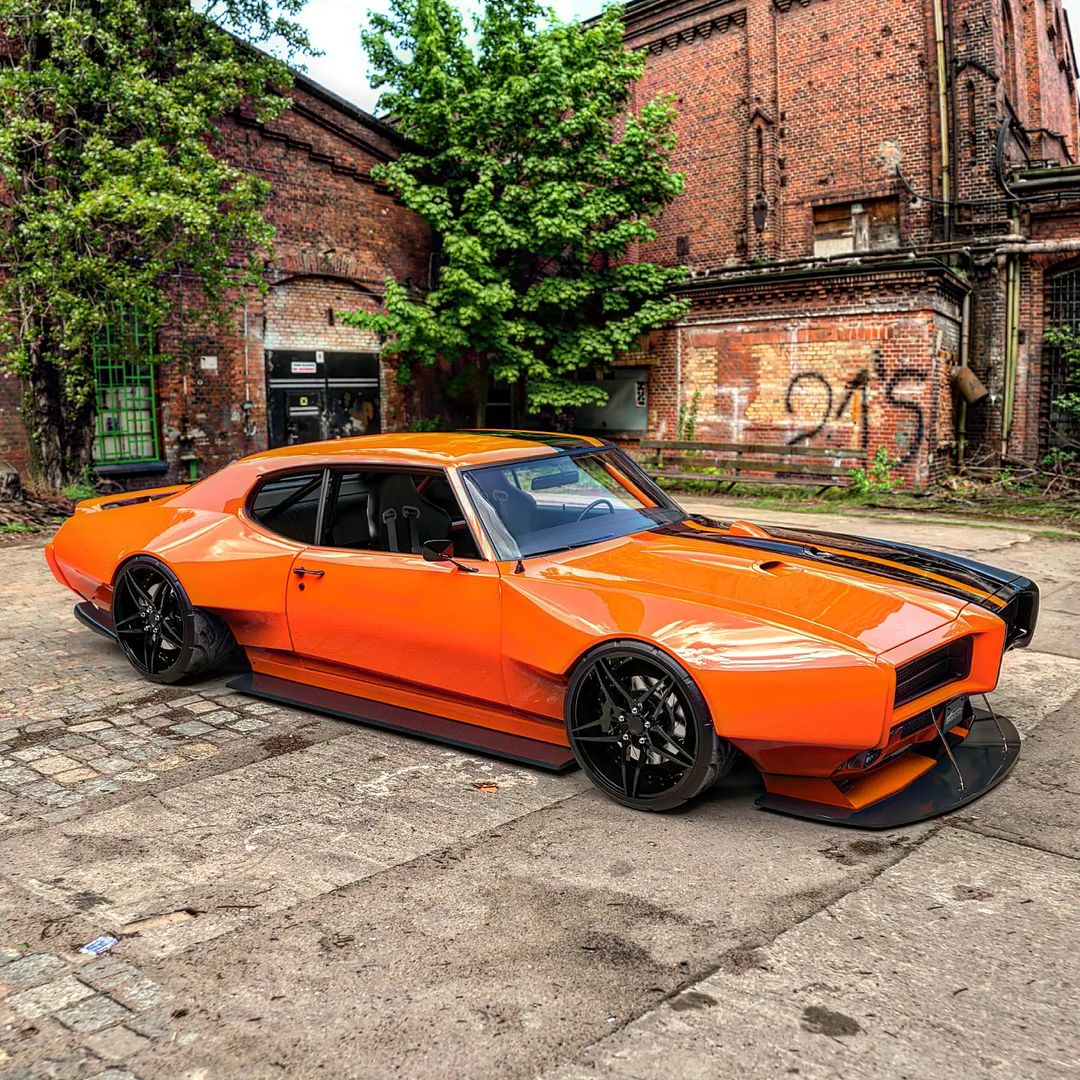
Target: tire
(658, 757)
(164, 637)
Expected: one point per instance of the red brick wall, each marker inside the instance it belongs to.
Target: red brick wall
(339, 237)
(1050, 82)
(13, 445)
(833, 91)
(867, 363)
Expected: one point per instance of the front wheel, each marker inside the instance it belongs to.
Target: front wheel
(163, 636)
(640, 728)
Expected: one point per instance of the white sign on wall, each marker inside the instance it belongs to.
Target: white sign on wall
(208, 363)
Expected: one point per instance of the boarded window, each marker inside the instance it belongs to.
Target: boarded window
(869, 225)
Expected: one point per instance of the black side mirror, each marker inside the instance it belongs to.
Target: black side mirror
(438, 550)
(443, 551)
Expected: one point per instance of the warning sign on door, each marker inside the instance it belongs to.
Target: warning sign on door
(304, 367)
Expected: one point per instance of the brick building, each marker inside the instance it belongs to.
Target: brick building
(287, 370)
(877, 192)
(833, 297)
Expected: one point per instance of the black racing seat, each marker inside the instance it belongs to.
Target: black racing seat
(403, 519)
(517, 508)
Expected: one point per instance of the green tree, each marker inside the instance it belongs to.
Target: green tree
(537, 178)
(111, 179)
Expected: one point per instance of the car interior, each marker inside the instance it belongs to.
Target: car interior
(535, 504)
(373, 510)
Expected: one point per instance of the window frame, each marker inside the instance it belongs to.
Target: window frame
(121, 372)
(247, 508)
(325, 508)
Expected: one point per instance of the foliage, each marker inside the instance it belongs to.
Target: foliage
(1060, 460)
(877, 478)
(688, 418)
(13, 528)
(425, 423)
(536, 177)
(110, 162)
(1068, 341)
(81, 489)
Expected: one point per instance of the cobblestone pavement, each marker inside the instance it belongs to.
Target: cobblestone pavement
(296, 896)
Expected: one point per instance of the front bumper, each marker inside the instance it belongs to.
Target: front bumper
(984, 756)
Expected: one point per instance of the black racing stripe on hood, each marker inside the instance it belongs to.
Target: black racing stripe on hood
(966, 582)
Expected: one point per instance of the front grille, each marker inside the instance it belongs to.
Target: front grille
(911, 727)
(933, 670)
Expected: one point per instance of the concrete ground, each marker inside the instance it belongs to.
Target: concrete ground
(299, 896)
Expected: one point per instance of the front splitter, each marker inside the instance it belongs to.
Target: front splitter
(983, 760)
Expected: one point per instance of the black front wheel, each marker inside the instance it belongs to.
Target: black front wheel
(164, 637)
(641, 729)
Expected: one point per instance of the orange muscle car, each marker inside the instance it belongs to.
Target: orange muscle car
(537, 597)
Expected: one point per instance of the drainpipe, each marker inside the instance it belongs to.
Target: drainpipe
(965, 354)
(1012, 339)
(943, 114)
(248, 425)
(678, 378)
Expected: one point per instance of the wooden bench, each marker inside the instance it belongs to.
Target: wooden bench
(819, 467)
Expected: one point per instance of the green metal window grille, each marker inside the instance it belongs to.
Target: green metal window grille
(127, 428)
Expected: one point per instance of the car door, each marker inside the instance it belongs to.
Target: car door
(366, 599)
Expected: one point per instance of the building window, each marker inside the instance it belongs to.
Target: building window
(869, 225)
(1008, 28)
(1063, 428)
(123, 356)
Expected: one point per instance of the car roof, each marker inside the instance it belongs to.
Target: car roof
(431, 448)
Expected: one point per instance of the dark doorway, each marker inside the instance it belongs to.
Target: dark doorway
(321, 395)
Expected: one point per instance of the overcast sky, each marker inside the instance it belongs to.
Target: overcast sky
(334, 26)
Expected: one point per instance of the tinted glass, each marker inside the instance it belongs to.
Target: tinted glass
(535, 507)
(377, 510)
(289, 505)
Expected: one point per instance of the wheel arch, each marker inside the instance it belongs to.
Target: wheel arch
(586, 654)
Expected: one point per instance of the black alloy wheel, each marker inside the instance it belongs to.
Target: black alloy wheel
(640, 728)
(162, 635)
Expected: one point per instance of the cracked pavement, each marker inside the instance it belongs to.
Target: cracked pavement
(296, 896)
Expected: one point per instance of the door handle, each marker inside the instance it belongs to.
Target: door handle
(302, 570)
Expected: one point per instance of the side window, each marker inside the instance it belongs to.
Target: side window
(289, 505)
(374, 510)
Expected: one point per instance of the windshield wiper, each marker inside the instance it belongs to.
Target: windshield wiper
(570, 547)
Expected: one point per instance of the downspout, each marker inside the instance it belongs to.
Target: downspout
(943, 114)
(1012, 339)
(965, 355)
(678, 380)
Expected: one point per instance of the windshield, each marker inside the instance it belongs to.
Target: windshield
(536, 507)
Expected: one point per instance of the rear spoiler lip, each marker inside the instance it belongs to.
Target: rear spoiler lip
(128, 498)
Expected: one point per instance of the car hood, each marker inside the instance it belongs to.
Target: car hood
(789, 583)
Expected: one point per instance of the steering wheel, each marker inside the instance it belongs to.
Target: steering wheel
(595, 503)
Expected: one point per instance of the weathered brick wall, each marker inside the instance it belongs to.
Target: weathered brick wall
(13, 445)
(868, 364)
(803, 101)
(339, 237)
(1048, 75)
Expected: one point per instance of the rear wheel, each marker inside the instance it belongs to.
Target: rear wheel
(640, 727)
(163, 636)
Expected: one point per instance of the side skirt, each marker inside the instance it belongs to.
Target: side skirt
(499, 744)
(98, 621)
